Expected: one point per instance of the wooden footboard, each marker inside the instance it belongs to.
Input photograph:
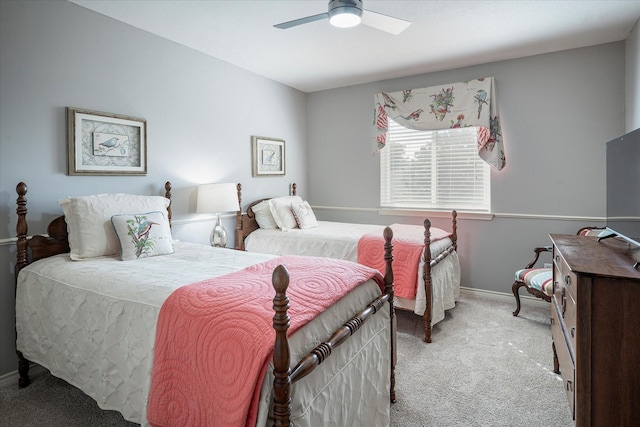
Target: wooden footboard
(246, 224)
(284, 377)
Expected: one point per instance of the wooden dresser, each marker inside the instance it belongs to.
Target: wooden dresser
(595, 325)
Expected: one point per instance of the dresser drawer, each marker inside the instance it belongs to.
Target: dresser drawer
(565, 295)
(570, 312)
(565, 360)
(563, 276)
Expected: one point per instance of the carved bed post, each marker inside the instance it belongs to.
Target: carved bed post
(239, 237)
(428, 285)
(167, 194)
(294, 189)
(22, 261)
(388, 282)
(281, 355)
(454, 229)
(21, 227)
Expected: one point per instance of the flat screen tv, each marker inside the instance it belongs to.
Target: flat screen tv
(623, 187)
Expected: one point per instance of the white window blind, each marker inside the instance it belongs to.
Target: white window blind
(435, 170)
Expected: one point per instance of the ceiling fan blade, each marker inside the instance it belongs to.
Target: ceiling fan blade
(301, 21)
(384, 22)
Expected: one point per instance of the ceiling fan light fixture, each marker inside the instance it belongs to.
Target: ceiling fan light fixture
(345, 13)
(349, 13)
(345, 17)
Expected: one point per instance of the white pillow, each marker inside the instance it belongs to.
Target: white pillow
(264, 218)
(281, 211)
(142, 235)
(89, 220)
(304, 216)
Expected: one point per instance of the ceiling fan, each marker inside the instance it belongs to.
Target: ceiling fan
(349, 13)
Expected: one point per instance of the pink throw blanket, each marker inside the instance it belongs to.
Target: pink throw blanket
(214, 339)
(408, 246)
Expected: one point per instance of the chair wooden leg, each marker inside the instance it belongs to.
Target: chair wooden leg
(514, 288)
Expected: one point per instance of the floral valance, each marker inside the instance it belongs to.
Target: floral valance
(455, 105)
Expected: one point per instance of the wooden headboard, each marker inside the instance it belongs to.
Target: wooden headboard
(246, 223)
(57, 241)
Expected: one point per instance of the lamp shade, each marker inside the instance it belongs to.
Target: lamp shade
(217, 198)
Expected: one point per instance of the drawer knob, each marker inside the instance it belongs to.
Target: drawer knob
(569, 386)
(567, 280)
(573, 332)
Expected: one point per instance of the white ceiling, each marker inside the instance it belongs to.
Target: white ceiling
(315, 56)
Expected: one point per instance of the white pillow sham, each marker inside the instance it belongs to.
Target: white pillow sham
(264, 217)
(89, 220)
(304, 216)
(142, 235)
(281, 210)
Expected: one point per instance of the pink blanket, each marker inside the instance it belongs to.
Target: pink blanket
(408, 245)
(215, 338)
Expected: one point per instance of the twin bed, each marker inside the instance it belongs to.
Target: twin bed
(159, 330)
(426, 264)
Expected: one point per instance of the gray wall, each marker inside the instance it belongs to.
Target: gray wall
(557, 112)
(632, 79)
(200, 112)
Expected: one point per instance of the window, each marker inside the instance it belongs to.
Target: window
(433, 170)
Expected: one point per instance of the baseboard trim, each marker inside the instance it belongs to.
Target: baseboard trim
(502, 296)
(12, 377)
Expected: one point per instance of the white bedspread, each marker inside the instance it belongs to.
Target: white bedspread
(340, 240)
(90, 325)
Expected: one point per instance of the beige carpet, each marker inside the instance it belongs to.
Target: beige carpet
(484, 368)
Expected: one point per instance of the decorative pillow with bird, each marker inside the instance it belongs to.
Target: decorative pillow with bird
(142, 235)
(88, 220)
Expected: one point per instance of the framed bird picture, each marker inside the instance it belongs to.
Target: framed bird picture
(105, 144)
(268, 156)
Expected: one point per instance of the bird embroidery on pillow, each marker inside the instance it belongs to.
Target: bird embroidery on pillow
(139, 230)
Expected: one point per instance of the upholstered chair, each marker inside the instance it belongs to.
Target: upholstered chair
(538, 281)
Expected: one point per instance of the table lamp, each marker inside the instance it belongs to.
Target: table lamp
(217, 198)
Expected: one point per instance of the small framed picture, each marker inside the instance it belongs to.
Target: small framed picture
(105, 144)
(268, 156)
